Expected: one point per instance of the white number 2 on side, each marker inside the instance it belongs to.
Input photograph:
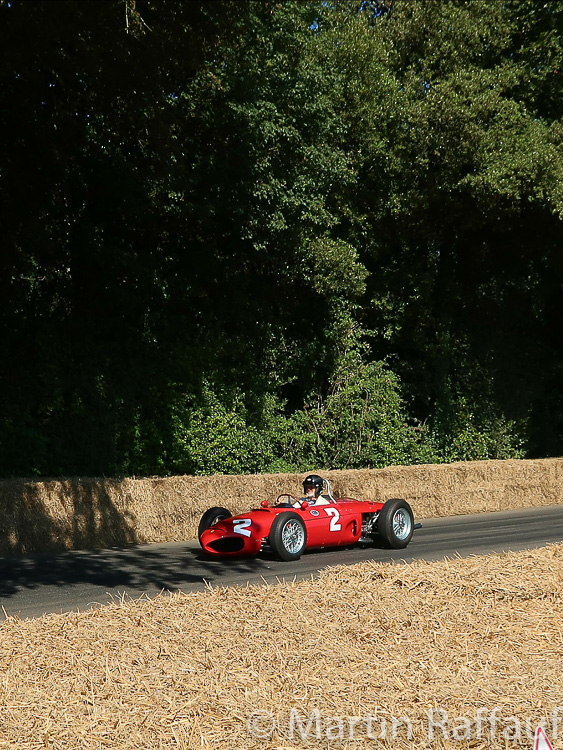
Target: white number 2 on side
(334, 525)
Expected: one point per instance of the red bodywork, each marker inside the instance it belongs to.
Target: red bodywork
(332, 525)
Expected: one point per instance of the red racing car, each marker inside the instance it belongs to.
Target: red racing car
(290, 526)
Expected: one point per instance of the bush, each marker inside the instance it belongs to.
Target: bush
(476, 432)
(359, 422)
(220, 440)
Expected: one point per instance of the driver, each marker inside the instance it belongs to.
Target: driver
(312, 487)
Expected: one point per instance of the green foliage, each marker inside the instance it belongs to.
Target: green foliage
(337, 270)
(475, 432)
(359, 423)
(220, 440)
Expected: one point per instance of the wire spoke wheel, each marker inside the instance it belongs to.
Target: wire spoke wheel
(293, 536)
(395, 523)
(288, 536)
(402, 524)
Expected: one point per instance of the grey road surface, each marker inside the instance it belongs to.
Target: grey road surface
(33, 585)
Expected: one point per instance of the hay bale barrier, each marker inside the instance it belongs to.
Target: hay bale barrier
(58, 514)
(451, 654)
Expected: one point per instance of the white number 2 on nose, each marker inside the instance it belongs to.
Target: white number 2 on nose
(334, 525)
(240, 526)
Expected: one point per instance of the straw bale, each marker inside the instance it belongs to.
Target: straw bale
(380, 640)
(82, 513)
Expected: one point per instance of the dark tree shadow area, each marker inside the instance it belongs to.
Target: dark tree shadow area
(71, 533)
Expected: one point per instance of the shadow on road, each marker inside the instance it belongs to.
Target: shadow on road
(169, 567)
(150, 567)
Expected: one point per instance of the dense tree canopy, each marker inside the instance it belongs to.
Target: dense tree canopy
(259, 236)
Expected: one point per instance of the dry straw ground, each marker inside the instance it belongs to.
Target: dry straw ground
(87, 513)
(189, 671)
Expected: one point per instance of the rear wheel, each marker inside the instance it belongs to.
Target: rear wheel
(288, 536)
(211, 517)
(395, 523)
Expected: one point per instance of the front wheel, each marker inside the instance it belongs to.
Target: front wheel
(395, 523)
(288, 536)
(210, 518)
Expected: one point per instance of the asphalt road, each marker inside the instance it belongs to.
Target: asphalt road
(33, 585)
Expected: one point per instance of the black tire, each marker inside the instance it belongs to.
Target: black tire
(395, 524)
(211, 517)
(288, 536)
